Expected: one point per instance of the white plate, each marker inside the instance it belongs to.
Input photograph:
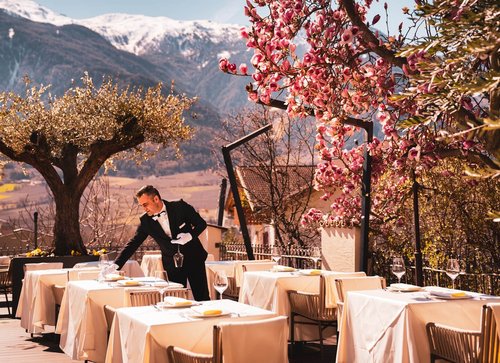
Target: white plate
(201, 315)
(310, 272)
(163, 305)
(449, 297)
(403, 288)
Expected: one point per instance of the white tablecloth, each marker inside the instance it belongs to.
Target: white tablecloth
(268, 290)
(384, 326)
(82, 323)
(131, 267)
(211, 267)
(142, 334)
(36, 302)
(150, 264)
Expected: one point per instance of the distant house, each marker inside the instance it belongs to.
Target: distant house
(288, 185)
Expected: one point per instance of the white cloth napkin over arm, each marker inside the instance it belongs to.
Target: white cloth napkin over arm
(255, 341)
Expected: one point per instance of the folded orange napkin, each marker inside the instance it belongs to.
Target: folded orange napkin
(212, 312)
(315, 272)
(458, 294)
(129, 282)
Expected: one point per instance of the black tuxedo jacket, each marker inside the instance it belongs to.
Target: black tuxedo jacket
(182, 218)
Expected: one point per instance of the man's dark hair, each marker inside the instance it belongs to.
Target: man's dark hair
(148, 190)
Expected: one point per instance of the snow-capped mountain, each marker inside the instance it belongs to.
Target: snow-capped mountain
(188, 50)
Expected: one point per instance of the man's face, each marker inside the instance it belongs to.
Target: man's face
(151, 204)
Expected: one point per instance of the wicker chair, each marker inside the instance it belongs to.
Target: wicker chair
(464, 346)
(234, 331)
(150, 297)
(6, 285)
(312, 307)
(179, 355)
(232, 292)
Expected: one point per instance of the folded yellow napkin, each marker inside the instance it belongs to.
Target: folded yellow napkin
(114, 277)
(129, 282)
(315, 272)
(212, 312)
(280, 268)
(177, 301)
(458, 294)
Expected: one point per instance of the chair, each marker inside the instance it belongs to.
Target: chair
(460, 346)
(150, 297)
(259, 266)
(58, 292)
(346, 284)
(312, 307)
(42, 266)
(232, 292)
(179, 355)
(242, 342)
(6, 285)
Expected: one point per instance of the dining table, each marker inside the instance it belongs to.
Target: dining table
(269, 290)
(390, 326)
(81, 322)
(37, 307)
(142, 334)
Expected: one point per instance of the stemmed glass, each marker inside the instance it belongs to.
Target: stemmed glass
(453, 270)
(103, 264)
(398, 267)
(276, 254)
(220, 282)
(315, 256)
(161, 282)
(178, 258)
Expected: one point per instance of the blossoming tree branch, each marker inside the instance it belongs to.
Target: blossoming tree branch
(432, 90)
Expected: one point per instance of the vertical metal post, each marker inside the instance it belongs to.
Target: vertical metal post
(366, 188)
(222, 201)
(226, 152)
(416, 219)
(35, 230)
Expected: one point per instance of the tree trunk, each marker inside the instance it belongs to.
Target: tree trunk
(67, 235)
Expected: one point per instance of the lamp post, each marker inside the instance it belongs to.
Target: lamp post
(366, 179)
(226, 152)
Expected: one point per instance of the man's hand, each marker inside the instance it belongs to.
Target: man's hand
(182, 238)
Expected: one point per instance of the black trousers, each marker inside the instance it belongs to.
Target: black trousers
(192, 271)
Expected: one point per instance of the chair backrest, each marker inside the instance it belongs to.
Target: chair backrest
(180, 292)
(88, 275)
(153, 252)
(42, 266)
(331, 294)
(179, 355)
(490, 343)
(251, 341)
(142, 297)
(356, 284)
(259, 266)
(109, 314)
(58, 291)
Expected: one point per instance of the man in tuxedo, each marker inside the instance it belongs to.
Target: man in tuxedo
(172, 225)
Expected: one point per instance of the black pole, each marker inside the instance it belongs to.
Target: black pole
(418, 253)
(222, 201)
(226, 152)
(366, 186)
(35, 220)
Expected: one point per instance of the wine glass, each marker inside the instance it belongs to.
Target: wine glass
(178, 258)
(103, 264)
(398, 267)
(315, 255)
(220, 282)
(453, 270)
(276, 254)
(161, 282)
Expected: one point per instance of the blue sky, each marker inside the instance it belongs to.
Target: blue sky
(222, 11)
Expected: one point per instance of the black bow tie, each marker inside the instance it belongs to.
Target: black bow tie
(156, 216)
